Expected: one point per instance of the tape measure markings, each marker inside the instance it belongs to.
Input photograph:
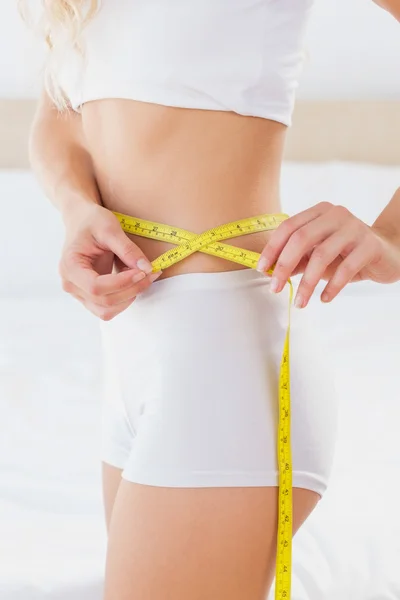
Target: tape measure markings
(189, 242)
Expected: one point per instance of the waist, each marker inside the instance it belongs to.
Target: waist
(193, 169)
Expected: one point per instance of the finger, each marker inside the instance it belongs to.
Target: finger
(99, 294)
(105, 313)
(115, 239)
(142, 282)
(301, 242)
(281, 235)
(81, 273)
(361, 256)
(323, 255)
(301, 267)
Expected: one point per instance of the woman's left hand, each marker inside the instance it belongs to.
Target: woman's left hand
(328, 242)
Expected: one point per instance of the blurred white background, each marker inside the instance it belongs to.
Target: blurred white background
(353, 47)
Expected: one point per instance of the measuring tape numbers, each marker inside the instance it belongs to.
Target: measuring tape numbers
(210, 242)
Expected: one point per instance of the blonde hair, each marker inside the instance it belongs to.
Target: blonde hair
(61, 25)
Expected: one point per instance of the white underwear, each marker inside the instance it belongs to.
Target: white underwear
(191, 386)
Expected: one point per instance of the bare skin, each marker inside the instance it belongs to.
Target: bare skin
(189, 168)
(193, 543)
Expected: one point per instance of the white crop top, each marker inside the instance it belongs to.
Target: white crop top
(243, 56)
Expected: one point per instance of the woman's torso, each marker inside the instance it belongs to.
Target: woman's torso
(188, 168)
(185, 108)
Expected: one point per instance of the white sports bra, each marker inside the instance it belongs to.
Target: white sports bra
(243, 56)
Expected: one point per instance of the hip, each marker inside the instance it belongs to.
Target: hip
(196, 313)
(199, 354)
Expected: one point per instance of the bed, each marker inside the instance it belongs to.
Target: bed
(53, 540)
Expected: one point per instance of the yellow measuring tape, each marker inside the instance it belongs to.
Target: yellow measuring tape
(210, 242)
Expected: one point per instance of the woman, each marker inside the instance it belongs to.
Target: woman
(177, 113)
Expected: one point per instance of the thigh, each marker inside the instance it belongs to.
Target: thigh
(111, 480)
(195, 543)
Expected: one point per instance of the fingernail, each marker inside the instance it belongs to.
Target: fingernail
(154, 276)
(262, 264)
(324, 297)
(274, 284)
(138, 277)
(144, 265)
(299, 301)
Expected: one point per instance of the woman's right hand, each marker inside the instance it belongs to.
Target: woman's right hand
(94, 240)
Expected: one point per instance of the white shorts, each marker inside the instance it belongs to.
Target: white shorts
(191, 386)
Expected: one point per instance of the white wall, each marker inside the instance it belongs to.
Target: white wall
(354, 52)
(20, 54)
(353, 46)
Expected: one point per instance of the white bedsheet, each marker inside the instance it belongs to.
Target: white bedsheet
(52, 536)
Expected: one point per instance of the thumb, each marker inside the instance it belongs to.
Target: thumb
(115, 239)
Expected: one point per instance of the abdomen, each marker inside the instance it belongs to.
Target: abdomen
(189, 168)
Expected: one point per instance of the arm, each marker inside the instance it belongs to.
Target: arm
(94, 238)
(388, 221)
(327, 242)
(392, 6)
(59, 158)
